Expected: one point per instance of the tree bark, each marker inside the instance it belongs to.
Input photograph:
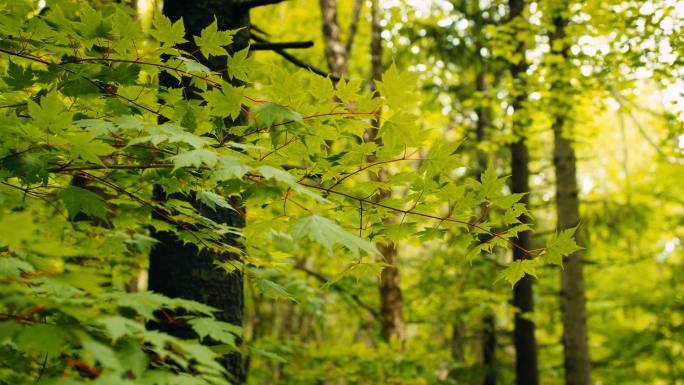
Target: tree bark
(353, 26)
(391, 301)
(575, 340)
(523, 334)
(334, 49)
(482, 112)
(489, 349)
(178, 269)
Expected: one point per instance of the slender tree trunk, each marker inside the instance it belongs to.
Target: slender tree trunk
(178, 269)
(523, 334)
(376, 42)
(482, 112)
(575, 341)
(391, 302)
(489, 349)
(335, 52)
(353, 27)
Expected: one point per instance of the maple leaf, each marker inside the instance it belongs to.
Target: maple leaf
(561, 245)
(516, 270)
(239, 64)
(77, 200)
(271, 113)
(211, 41)
(329, 234)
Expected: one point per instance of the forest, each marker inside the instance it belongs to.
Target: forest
(342, 192)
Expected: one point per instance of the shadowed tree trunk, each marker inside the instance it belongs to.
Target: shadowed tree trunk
(178, 269)
(489, 349)
(523, 334)
(488, 321)
(575, 341)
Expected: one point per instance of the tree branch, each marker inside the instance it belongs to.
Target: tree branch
(284, 45)
(296, 61)
(258, 3)
(323, 279)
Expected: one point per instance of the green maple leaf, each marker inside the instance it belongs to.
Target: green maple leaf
(273, 290)
(321, 88)
(18, 77)
(77, 200)
(193, 65)
(212, 200)
(347, 90)
(491, 184)
(442, 156)
(272, 113)
(329, 234)
(225, 102)
(41, 338)
(516, 270)
(117, 326)
(397, 87)
(561, 245)
(513, 213)
(229, 167)
(85, 146)
(216, 330)
(194, 158)
(167, 33)
(94, 351)
(211, 41)
(285, 177)
(239, 64)
(51, 114)
(30, 167)
(13, 267)
(477, 250)
(169, 133)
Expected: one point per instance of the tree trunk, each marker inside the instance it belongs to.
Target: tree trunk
(178, 269)
(489, 349)
(334, 49)
(523, 334)
(391, 302)
(482, 112)
(575, 341)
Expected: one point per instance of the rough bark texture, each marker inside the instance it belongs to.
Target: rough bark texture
(178, 270)
(523, 333)
(575, 341)
(334, 49)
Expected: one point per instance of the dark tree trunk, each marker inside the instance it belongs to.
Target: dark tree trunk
(573, 308)
(178, 269)
(523, 334)
(488, 321)
(489, 349)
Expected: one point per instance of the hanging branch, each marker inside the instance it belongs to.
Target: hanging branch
(249, 4)
(424, 215)
(353, 297)
(296, 61)
(278, 46)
